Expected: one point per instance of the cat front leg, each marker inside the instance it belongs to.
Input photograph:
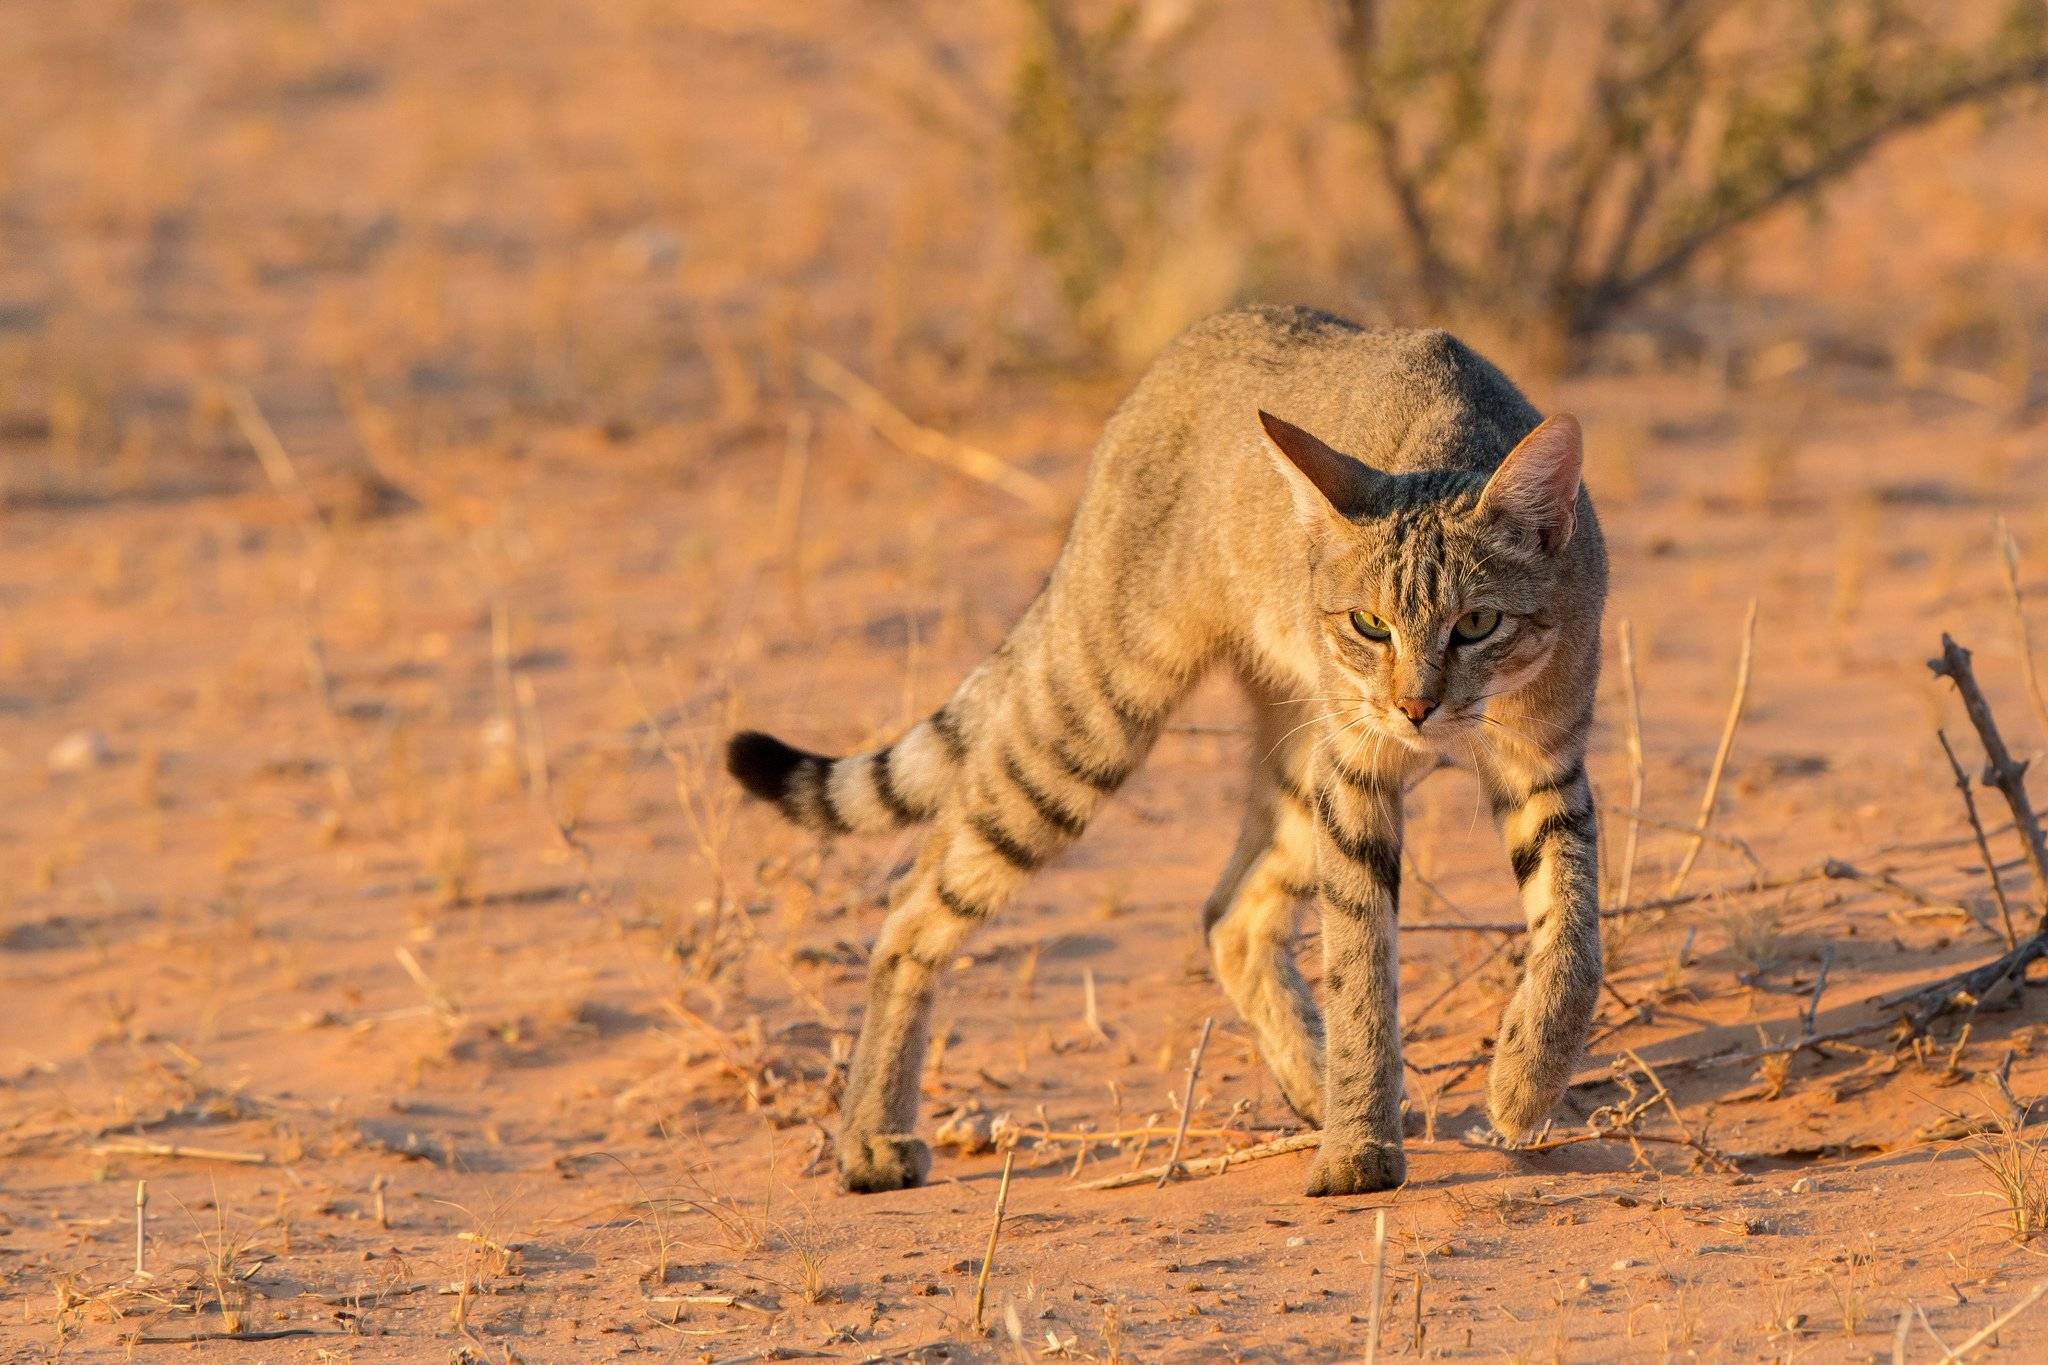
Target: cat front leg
(1358, 857)
(1545, 808)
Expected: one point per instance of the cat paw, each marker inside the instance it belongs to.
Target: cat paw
(1366, 1168)
(883, 1162)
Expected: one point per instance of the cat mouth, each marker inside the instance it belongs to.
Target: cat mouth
(1434, 735)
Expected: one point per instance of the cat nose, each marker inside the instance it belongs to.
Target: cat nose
(1417, 709)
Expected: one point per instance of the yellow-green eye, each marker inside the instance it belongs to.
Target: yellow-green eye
(1371, 627)
(1475, 625)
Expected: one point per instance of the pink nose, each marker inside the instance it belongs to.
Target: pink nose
(1417, 709)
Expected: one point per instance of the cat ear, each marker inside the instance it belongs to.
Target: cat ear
(1326, 483)
(1537, 485)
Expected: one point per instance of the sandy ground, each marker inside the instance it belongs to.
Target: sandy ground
(400, 506)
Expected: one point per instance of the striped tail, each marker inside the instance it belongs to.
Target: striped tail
(865, 794)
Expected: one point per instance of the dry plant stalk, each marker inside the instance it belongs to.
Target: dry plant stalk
(1635, 762)
(1187, 1102)
(995, 1230)
(896, 427)
(272, 455)
(1713, 792)
(1379, 1270)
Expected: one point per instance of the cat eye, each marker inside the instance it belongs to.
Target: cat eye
(1374, 628)
(1475, 626)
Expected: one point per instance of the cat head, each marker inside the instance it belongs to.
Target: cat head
(1433, 591)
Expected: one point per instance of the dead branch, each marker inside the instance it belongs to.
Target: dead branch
(2001, 771)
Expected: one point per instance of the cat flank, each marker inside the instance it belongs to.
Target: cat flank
(1390, 548)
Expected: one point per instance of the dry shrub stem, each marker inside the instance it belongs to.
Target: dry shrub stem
(1970, 988)
(1983, 844)
(1691, 121)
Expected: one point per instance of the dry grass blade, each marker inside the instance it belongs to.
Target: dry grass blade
(1713, 792)
(271, 454)
(893, 425)
(2009, 557)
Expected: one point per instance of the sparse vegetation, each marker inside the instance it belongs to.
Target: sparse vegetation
(410, 468)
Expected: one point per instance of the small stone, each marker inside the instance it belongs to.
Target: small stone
(78, 751)
(1805, 1184)
(1297, 1241)
(1626, 1263)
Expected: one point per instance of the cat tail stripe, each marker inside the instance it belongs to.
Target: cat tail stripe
(867, 793)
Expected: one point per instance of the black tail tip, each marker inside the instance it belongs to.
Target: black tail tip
(762, 763)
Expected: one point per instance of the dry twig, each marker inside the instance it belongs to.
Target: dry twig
(1983, 844)
(1713, 792)
(1187, 1101)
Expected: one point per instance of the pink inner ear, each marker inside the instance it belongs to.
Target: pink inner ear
(1538, 482)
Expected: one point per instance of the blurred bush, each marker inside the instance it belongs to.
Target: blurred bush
(1543, 168)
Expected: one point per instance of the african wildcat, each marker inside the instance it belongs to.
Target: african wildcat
(1428, 582)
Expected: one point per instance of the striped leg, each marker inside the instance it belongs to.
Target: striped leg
(1358, 856)
(1034, 767)
(1545, 808)
(1250, 916)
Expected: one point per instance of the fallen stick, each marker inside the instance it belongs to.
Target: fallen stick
(1209, 1165)
(896, 427)
(175, 1150)
(1713, 792)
